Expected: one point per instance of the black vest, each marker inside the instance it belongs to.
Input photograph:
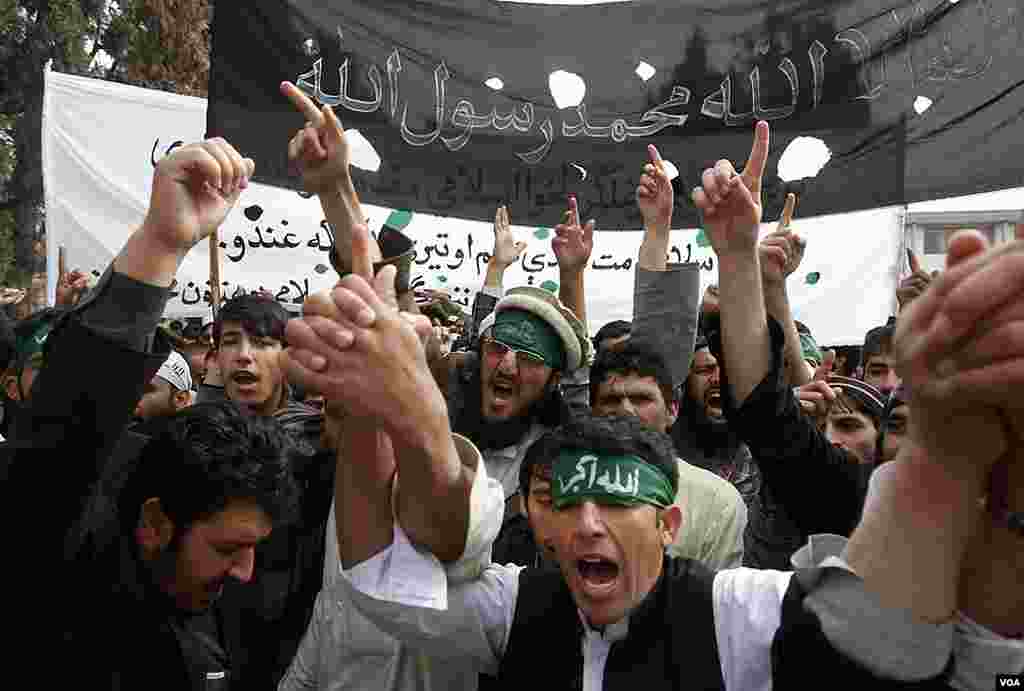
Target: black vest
(671, 642)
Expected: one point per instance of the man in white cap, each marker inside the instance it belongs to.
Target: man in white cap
(167, 393)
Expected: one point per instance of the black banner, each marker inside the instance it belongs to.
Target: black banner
(915, 100)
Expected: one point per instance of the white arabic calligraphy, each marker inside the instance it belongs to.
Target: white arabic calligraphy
(628, 485)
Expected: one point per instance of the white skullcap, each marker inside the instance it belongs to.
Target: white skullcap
(487, 323)
(175, 371)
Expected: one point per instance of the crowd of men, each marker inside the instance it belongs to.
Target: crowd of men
(356, 498)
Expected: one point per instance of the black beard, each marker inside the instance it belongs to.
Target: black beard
(497, 434)
(465, 408)
(711, 435)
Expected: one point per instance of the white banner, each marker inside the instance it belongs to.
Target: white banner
(101, 141)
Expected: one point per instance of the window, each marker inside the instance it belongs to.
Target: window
(934, 241)
(936, 238)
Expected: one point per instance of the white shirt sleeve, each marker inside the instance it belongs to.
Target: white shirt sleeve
(462, 611)
(486, 511)
(748, 610)
(405, 592)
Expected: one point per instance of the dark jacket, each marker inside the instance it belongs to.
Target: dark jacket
(270, 613)
(671, 642)
(808, 484)
(85, 615)
(715, 447)
(276, 606)
(84, 611)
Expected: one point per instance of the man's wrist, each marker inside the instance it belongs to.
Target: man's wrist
(427, 415)
(342, 190)
(774, 291)
(658, 229)
(148, 257)
(925, 477)
(739, 259)
(426, 433)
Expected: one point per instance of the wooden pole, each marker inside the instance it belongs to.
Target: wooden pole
(215, 273)
(62, 264)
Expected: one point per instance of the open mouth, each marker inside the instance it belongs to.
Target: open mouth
(503, 390)
(597, 573)
(714, 398)
(244, 378)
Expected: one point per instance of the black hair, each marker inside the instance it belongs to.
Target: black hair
(206, 456)
(897, 398)
(632, 357)
(258, 314)
(801, 328)
(610, 434)
(851, 362)
(878, 341)
(694, 431)
(707, 324)
(614, 329)
(847, 399)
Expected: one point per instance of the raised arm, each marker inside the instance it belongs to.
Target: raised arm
(320, 151)
(915, 284)
(776, 298)
(655, 198)
(962, 359)
(572, 245)
(505, 253)
(355, 347)
(78, 412)
(731, 207)
(793, 453)
(759, 402)
(932, 540)
(665, 297)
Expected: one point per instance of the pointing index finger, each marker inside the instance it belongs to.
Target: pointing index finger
(655, 156)
(787, 211)
(303, 103)
(758, 156)
(915, 265)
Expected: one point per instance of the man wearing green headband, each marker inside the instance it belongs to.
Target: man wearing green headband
(29, 338)
(617, 613)
(507, 394)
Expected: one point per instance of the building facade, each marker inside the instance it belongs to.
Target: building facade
(928, 233)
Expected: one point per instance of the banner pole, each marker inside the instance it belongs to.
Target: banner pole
(215, 273)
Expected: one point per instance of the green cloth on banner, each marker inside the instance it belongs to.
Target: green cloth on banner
(399, 219)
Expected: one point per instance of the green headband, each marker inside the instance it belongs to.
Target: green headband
(30, 348)
(616, 480)
(526, 331)
(810, 349)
